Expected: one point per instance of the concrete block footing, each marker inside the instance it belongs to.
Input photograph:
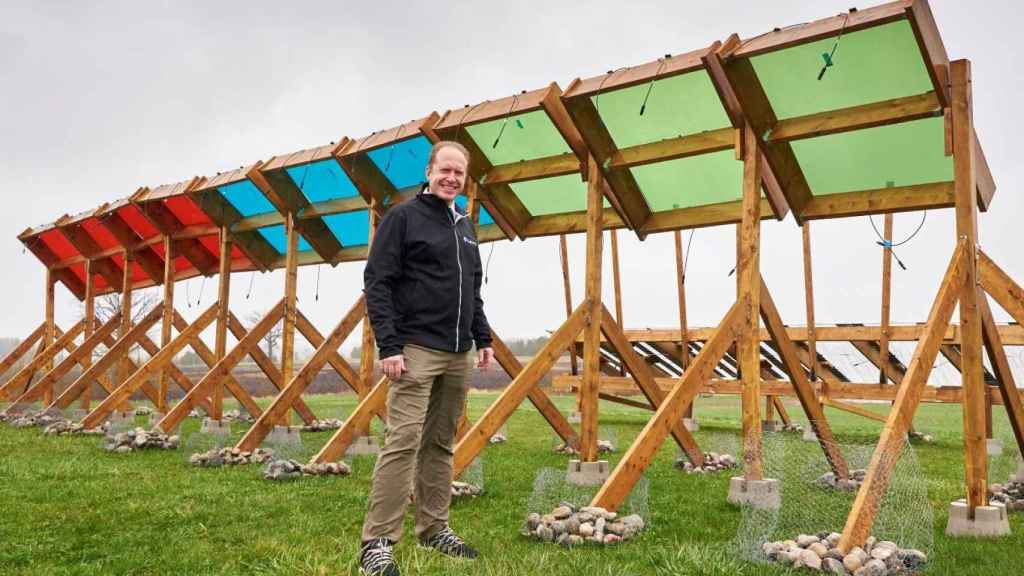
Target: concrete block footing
(587, 473)
(994, 446)
(364, 445)
(691, 424)
(988, 522)
(762, 494)
(771, 425)
(574, 417)
(809, 435)
(1019, 476)
(284, 436)
(77, 414)
(218, 427)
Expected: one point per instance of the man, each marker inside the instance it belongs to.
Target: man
(422, 285)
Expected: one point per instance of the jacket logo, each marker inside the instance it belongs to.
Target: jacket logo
(468, 241)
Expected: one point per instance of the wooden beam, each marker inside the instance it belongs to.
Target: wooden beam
(563, 253)
(641, 452)
(684, 344)
(41, 359)
(22, 348)
(277, 410)
(526, 170)
(223, 308)
(748, 294)
(883, 328)
(167, 323)
(913, 198)
(1012, 334)
(497, 413)
(853, 409)
(127, 237)
(592, 332)
(1003, 373)
(1001, 287)
(286, 196)
(885, 113)
(812, 343)
(291, 278)
(893, 436)
(336, 361)
(641, 373)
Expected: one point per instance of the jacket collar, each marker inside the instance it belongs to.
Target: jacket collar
(439, 206)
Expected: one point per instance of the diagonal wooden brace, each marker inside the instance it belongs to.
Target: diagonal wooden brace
(21, 349)
(24, 375)
(316, 339)
(373, 403)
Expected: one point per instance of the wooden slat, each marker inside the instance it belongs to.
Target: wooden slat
(931, 196)
(639, 455)
(853, 409)
(497, 413)
(901, 417)
(872, 115)
(297, 385)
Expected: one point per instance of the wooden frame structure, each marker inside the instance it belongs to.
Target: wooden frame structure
(287, 211)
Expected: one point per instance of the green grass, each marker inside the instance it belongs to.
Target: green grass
(67, 507)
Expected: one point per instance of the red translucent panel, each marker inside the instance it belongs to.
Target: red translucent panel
(138, 274)
(186, 211)
(137, 222)
(100, 234)
(58, 244)
(79, 271)
(180, 263)
(238, 258)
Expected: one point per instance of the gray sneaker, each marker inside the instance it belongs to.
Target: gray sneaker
(377, 558)
(446, 542)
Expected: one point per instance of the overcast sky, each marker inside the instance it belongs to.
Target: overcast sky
(99, 98)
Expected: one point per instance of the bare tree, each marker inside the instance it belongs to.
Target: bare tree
(271, 338)
(109, 305)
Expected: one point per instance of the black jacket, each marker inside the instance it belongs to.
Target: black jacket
(422, 279)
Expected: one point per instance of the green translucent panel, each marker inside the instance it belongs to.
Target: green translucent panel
(677, 106)
(901, 154)
(694, 181)
(870, 65)
(525, 137)
(558, 195)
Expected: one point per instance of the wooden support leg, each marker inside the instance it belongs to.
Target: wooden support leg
(223, 307)
(780, 407)
(563, 252)
(893, 437)
(1004, 375)
(883, 329)
(51, 283)
(638, 457)
(591, 385)
(339, 364)
(291, 276)
(90, 319)
(21, 349)
(274, 414)
(748, 291)
(15, 386)
(168, 318)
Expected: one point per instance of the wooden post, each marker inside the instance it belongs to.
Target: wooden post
(684, 343)
(168, 319)
(972, 370)
(288, 332)
(883, 337)
(591, 384)
(368, 355)
(617, 286)
(51, 329)
(90, 322)
(748, 293)
(812, 342)
(563, 252)
(220, 344)
(123, 371)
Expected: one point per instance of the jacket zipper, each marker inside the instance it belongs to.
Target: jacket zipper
(458, 260)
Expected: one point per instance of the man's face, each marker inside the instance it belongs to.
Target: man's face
(447, 175)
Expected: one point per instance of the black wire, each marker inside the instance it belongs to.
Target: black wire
(661, 64)
(252, 279)
(487, 268)
(316, 295)
(835, 46)
(686, 258)
(883, 242)
(597, 95)
(391, 153)
(202, 286)
(501, 131)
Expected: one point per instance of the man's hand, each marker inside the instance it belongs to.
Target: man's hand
(393, 366)
(484, 357)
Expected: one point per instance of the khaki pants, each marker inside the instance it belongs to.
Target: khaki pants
(423, 415)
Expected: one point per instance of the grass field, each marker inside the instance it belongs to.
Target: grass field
(67, 507)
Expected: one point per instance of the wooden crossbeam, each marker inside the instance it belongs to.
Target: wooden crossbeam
(883, 113)
(641, 373)
(175, 374)
(222, 368)
(295, 387)
(901, 416)
(498, 413)
(335, 360)
(70, 361)
(1012, 334)
(286, 196)
(1003, 373)
(853, 409)
(804, 391)
(911, 198)
(150, 262)
(641, 452)
(16, 353)
(780, 407)
(892, 367)
(156, 362)
(46, 355)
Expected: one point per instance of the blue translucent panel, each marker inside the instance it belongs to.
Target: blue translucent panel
(278, 238)
(323, 180)
(485, 216)
(246, 198)
(404, 163)
(350, 228)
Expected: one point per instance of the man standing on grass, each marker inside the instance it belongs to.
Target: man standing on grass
(422, 285)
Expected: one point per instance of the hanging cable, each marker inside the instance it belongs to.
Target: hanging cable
(202, 286)
(890, 245)
(391, 153)
(252, 279)
(188, 296)
(316, 295)
(828, 56)
(661, 64)
(686, 259)
(597, 95)
(487, 268)
(501, 130)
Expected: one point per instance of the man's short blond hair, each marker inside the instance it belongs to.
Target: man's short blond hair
(446, 144)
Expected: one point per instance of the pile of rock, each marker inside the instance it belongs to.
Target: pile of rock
(603, 447)
(30, 419)
(498, 438)
(237, 416)
(821, 553)
(568, 527)
(463, 489)
(321, 425)
(1011, 494)
(140, 439)
(713, 462)
(63, 427)
(792, 428)
(281, 470)
(230, 457)
(915, 435)
(143, 411)
(851, 484)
